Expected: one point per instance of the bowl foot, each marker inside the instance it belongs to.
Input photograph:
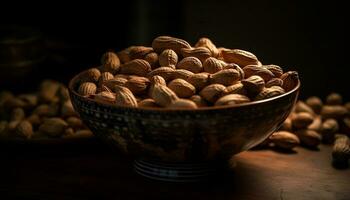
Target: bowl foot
(176, 172)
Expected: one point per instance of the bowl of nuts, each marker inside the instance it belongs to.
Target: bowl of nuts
(177, 109)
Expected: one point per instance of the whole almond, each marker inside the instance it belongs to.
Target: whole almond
(24, 129)
(139, 52)
(212, 65)
(264, 73)
(105, 97)
(234, 66)
(53, 127)
(87, 88)
(212, 92)
(150, 103)
(199, 81)
(284, 139)
(161, 43)
(290, 80)
(137, 67)
(232, 99)
(270, 92)
(166, 72)
(275, 69)
(168, 57)
(236, 88)
(240, 57)
(138, 85)
(110, 62)
(201, 53)
(163, 95)
(152, 59)
(315, 103)
(182, 104)
(254, 84)
(199, 101)
(182, 74)
(207, 43)
(302, 120)
(225, 77)
(182, 88)
(124, 97)
(274, 82)
(336, 112)
(309, 137)
(334, 99)
(192, 64)
(341, 151)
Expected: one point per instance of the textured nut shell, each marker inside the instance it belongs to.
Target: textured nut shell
(274, 82)
(207, 43)
(199, 81)
(192, 64)
(254, 84)
(115, 81)
(110, 62)
(182, 88)
(240, 57)
(168, 57)
(275, 69)
(53, 127)
(152, 59)
(270, 92)
(201, 53)
(316, 124)
(182, 74)
(105, 97)
(17, 114)
(124, 97)
(336, 112)
(212, 92)
(290, 80)
(309, 137)
(161, 43)
(286, 125)
(341, 149)
(139, 52)
(137, 67)
(264, 73)
(237, 88)
(163, 95)
(334, 99)
(138, 85)
(74, 122)
(166, 72)
(105, 76)
(91, 75)
(182, 104)
(225, 77)
(124, 55)
(234, 66)
(315, 103)
(232, 99)
(87, 88)
(284, 139)
(300, 106)
(212, 65)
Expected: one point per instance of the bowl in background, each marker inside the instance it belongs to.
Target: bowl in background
(181, 145)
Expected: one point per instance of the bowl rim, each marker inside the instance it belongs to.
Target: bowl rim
(75, 78)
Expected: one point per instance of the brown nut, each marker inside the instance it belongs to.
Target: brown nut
(182, 104)
(137, 67)
(336, 112)
(182, 74)
(254, 85)
(334, 99)
(284, 139)
(275, 69)
(161, 43)
(315, 103)
(274, 82)
(270, 92)
(110, 62)
(152, 59)
(212, 92)
(236, 67)
(212, 65)
(105, 76)
(124, 97)
(328, 129)
(53, 127)
(105, 97)
(150, 103)
(137, 85)
(168, 58)
(87, 88)
(166, 72)
(236, 88)
(192, 64)
(251, 70)
(240, 57)
(232, 99)
(182, 88)
(199, 81)
(290, 80)
(163, 95)
(17, 114)
(225, 77)
(199, 101)
(302, 120)
(207, 43)
(309, 138)
(24, 129)
(300, 106)
(341, 151)
(201, 53)
(139, 52)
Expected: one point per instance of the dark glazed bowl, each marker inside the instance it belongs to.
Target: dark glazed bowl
(166, 135)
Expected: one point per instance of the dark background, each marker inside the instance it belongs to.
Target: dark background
(303, 36)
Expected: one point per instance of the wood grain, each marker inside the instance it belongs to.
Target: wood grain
(93, 171)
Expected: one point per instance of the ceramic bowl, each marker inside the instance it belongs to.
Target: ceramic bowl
(197, 135)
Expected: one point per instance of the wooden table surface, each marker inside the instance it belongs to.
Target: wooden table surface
(91, 171)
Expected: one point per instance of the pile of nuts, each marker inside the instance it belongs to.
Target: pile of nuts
(173, 74)
(313, 122)
(48, 113)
